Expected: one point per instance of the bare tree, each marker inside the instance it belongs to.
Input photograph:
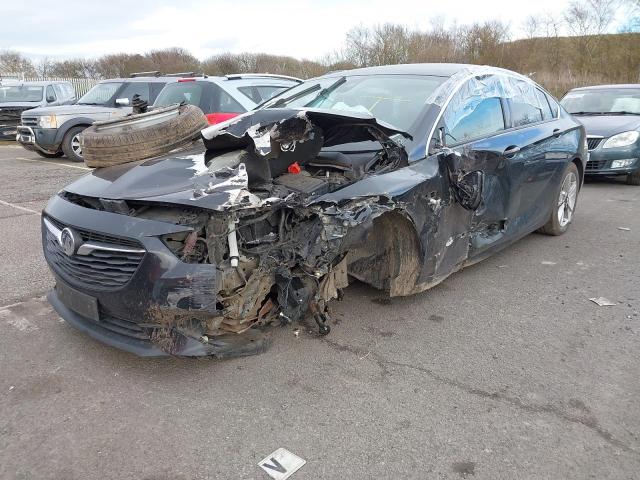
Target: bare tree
(15, 62)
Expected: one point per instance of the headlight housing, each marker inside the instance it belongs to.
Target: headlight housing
(623, 139)
(48, 121)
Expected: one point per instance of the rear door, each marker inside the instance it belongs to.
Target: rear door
(536, 132)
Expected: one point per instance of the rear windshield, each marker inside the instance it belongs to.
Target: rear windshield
(396, 99)
(100, 94)
(188, 92)
(261, 93)
(603, 101)
(20, 93)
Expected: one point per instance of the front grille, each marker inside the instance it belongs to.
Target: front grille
(90, 236)
(592, 143)
(123, 326)
(30, 121)
(10, 116)
(593, 165)
(99, 269)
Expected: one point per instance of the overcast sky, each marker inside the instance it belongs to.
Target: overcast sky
(300, 28)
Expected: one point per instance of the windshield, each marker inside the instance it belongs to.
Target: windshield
(618, 100)
(20, 93)
(100, 94)
(394, 99)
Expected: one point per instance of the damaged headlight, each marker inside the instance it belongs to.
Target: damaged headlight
(189, 247)
(48, 121)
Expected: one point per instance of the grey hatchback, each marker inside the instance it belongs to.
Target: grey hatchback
(611, 116)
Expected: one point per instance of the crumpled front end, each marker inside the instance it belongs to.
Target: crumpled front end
(260, 237)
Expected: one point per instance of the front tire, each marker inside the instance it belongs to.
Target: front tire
(71, 144)
(565, 202)
(634, 178)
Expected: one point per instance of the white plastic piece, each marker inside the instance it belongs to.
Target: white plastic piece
(233, 244)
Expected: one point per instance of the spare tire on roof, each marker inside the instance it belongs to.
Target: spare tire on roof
(141, 136)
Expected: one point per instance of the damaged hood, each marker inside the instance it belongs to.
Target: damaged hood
(215, 178)
(254, 128)
(179, 178)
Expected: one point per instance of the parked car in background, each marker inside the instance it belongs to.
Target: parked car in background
(397, 176)
(222, 98)
(17, 97)
(54, 131)
(611, 116)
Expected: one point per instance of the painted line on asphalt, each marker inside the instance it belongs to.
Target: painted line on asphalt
(24, 209)
(49, 162)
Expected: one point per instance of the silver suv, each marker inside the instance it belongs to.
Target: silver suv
(55, 131)
(17, 96)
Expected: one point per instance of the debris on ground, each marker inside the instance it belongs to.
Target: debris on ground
(624, 229)
(603, 302)
(281, 464)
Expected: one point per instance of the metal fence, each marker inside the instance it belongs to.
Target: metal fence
(81, 85)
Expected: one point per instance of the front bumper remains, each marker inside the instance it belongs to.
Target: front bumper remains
(42, 139)
(149, 308)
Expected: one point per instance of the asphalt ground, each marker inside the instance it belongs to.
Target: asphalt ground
(505, 370)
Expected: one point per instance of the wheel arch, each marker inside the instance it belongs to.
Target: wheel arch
(390, 257)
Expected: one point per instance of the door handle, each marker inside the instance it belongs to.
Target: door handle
(511, 151)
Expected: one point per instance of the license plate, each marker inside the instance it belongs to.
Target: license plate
(79, 302)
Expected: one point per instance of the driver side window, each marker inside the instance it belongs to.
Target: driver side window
(475, 111)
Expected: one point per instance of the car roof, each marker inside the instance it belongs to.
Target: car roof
(35, 83)
(141, 79)
(605, 87)
(435, 69)
(247, 79)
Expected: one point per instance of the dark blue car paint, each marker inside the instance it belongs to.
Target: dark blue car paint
(518, 198)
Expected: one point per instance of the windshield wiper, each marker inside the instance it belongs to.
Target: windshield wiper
(624, 112)
(326, 91)
(589, 113)
(281, 102)
(90, 103)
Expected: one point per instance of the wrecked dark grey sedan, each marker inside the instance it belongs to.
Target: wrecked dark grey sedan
(397, 176)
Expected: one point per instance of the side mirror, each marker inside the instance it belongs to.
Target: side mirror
(122, 102)
(467, 186)
(51, 99)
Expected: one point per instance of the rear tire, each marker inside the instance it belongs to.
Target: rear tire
(565, 202)
(71, 145)
(634, 178)
(142, 136)
(49, 155)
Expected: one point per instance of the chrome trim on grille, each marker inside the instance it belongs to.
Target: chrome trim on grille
(88, 247)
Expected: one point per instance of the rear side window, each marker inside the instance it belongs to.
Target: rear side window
(68, 89)
(59, 91)
(553, 105)
(528, 104)
(547, 114)
(261, 93)
(135, 88)
(156, 88)
(225, 103)
(475, 111)
(50, 93)
(188, 92)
